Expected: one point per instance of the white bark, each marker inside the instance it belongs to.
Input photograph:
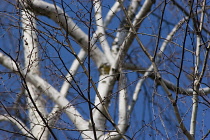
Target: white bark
(50, 91)
(53, 116)
(37, 126)
(150, 69)
(122, 31)
(140, 16)
(132, 34)
(109, 58)
(56, 14)
(100, 33)
(104, 88)
(122, 111)
(114, 9)
(196, 73)
(19, 124)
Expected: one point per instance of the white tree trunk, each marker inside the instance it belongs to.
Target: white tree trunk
(30, 45)
(109, 59)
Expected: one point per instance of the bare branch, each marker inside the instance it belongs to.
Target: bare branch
(50, 91)
(53, 116)
(100, 32)
(61, 18)
(20, 125)
(196, 73)
(112, 12)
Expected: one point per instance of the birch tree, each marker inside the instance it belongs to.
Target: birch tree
(94, 69)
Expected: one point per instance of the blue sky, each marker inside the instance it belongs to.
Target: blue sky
(152, 106)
